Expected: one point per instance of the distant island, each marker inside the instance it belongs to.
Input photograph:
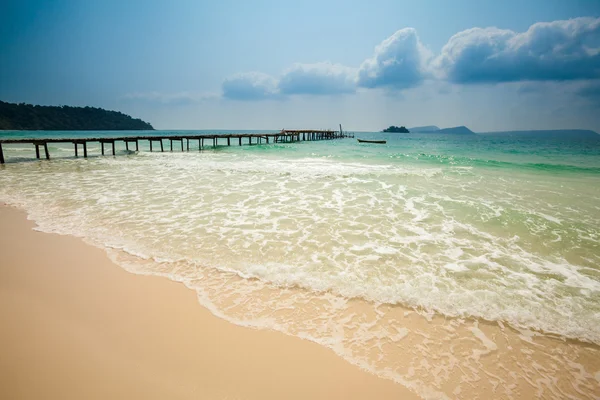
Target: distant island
(424, 129)
(65, 118)
(393, 128)
(457, 130)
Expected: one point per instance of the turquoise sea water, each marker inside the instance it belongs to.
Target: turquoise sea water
(486, 228)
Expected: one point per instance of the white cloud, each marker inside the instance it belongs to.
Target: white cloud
(318, 79)
(399, 62)
(547, 51)
(559, 50)
(250, 86)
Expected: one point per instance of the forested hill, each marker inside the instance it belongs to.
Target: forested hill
(65, 118)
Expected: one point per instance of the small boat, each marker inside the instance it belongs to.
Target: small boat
(371, 141)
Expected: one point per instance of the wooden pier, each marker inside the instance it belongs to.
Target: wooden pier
(284, 136)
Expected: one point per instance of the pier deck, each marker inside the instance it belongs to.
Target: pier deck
(283, 136)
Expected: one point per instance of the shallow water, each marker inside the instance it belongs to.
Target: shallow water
(364, 248)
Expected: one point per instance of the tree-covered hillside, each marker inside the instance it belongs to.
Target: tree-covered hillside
(65, 118)
(398, 129)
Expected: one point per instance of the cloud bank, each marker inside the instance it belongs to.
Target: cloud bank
(318, 79)
(548, 51)
(250, 86)
(555, 51)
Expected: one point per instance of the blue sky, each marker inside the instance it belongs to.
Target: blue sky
(490, 65)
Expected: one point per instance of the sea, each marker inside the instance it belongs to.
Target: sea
(460, 266)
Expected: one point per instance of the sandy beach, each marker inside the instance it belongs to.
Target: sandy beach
(75, 326)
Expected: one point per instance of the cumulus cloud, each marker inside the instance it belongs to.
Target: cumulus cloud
(250, 86)
(399, 62)
(547, 51)
(318, 79)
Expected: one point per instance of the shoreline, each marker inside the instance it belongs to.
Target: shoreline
(75, 325)
(430, 356)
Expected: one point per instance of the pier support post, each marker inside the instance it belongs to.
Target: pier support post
(162, 149)
(75, 145)
(84, 149)
(150, 144)
(46, 151)
(137, 146)
(102, 145)
(126, 145)
(113, 147)
(250, 140)
(171, 141)
(1, 155)
(266, 137)
(240, 140)
(37, 151)
(181, 140)
(188, 144)
(228, 142)
(215, 141)
(201, 143)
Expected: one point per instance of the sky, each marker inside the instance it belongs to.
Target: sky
(489, 65)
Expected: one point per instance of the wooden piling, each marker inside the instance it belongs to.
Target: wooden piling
(1, 155)
(240, 140)
(37, 151)
(228, 142)
(46, 151)
(102, 145)
(75, 145)
(126, 145)
(161, 146)
(137, 145)
(84, 149)
(113, 147)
